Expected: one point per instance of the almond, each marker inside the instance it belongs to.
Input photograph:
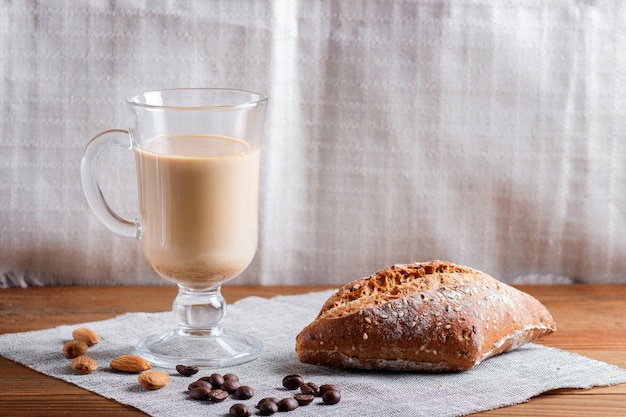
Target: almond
(153, 379)
(84, 364)
(74, 348)
(86, 335)
(130, 363)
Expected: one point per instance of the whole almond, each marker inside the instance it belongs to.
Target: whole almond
(86, 335)
(130, 363)
(153, 379)
(84, 364)
(74, 348)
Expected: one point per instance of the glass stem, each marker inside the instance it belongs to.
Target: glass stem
(199, 312)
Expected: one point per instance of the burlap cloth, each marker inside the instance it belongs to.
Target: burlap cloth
(504, 380)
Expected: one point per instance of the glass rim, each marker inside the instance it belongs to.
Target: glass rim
(248, 99)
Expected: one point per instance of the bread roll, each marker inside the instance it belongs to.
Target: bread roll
(433, 316)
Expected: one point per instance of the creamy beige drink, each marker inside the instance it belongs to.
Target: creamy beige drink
(198, 207)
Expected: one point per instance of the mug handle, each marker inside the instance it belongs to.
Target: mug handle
(91, 188)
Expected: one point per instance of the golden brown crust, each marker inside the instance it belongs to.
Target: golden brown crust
(433, 316)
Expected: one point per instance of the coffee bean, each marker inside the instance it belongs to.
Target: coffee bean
(327, 387)
(304, 399)
(288, 404)
(331, 396)
(231, 376)
(216, 380)
(267, 407)
(217, 388)
(310, 388)
(200, 383)
(244, 392)
(270, 399)
(187, 370)
(240, 410)
(292, 381)
(231, 385)
(200, 393)
(218, 395)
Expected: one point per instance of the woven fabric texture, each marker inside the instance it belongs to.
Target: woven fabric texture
(486, 133)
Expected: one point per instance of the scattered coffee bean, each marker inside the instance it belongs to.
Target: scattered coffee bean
(304, 399)
(244, 392)
(218, 395)
(231, 376)
(288, 404)
(270, 399)
(292, 381)
(200, 383)
(216, 388)
(327, 387)
(187, 370)
(331, 396)
(200, 393)
(267, 407)
(231, 385)
(310, 388)
(240, 410)
(216, 380)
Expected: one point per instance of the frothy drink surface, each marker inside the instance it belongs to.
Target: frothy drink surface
(198, 207)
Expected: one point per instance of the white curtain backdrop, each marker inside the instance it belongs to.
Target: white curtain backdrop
(486, 133)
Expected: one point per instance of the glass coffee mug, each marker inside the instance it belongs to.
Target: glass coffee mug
(197, 155)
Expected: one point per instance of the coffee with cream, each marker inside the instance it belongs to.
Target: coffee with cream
(198, 207)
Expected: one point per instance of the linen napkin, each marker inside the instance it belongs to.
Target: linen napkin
(504, 380)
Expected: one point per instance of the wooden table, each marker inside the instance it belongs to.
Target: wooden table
(591, 321)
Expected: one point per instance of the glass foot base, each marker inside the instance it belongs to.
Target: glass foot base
(202, 350)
